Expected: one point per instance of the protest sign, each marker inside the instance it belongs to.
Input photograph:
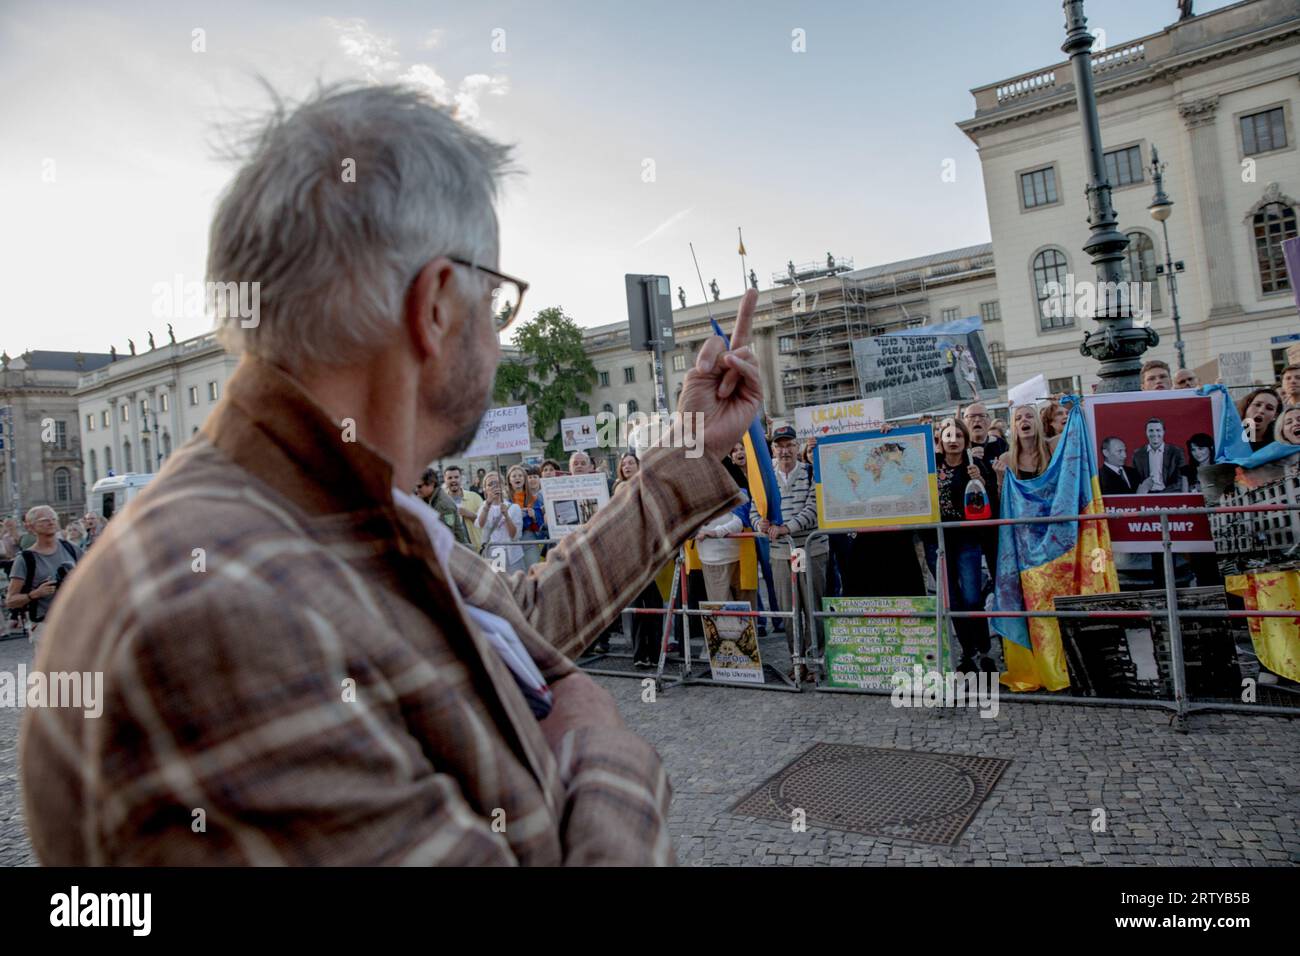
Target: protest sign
(817, 421)
(732, 643)
(1026, 393)
(927, 368)
(1234, 367)
(579, 433)
(866, 652)
(502, 431)
(876, 478)
(1149, 450)
(570, 501)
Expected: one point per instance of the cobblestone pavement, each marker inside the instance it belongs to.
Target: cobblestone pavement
(14, 848)
(1226, 794)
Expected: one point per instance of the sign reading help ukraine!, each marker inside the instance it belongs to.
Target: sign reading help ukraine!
(869, 479)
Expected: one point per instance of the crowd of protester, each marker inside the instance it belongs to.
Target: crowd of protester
(738, 555)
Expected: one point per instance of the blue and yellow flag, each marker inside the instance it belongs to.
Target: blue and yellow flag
(1037, 562)
(1230, 443)
(758, 460)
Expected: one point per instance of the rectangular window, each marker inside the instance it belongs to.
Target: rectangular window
(629, 375)
(1038, 188)
(1124, 166)
(104, 421)
(604, 379)
(144, 407)
(679, 363)
(786, 344)
(1263, 132)
(163, 403)
(949, 315)
(126, 412)
(61, 435)
(194, 394)
(212, 391)
(90, 423)
(990, 312)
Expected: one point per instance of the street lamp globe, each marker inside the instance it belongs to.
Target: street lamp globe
(1161, 206)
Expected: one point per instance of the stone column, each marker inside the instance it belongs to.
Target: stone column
(1217, 232)
(114, 417)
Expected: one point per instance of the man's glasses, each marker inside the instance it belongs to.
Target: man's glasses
(507, 294)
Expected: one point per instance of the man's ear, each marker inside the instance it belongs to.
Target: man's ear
(430, 309)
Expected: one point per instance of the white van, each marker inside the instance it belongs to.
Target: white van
(110, 495)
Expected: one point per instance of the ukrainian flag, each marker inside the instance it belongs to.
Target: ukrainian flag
(758, 460)
(1037, 562)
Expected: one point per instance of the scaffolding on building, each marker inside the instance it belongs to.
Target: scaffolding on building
(817, 326)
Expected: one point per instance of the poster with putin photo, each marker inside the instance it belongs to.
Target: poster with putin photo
(1149, 446)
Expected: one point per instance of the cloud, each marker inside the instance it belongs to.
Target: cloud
(473, 87)
(377, 55)
(663, 227)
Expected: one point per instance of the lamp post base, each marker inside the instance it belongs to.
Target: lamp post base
(1119, 352)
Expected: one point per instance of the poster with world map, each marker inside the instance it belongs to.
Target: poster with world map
(874, 478)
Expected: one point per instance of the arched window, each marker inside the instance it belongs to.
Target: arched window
(1273, 223)
(1140, 266)
(998, 359)
(632, 406)
(94, 468)
(167, 444)
(62, 485)
(126, 458)
(607, 407)
(146, 460)
(1050, 266)
(108, 459)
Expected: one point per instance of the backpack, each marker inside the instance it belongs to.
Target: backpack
(29, 563)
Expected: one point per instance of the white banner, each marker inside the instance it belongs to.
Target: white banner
(838, 418)
(570, 501)
(579, 433)
(502, 431)
(1026, 393)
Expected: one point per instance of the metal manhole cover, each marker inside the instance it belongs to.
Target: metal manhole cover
(878, 791)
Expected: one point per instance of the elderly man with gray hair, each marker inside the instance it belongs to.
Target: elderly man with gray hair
(296, 645)
(38, 570)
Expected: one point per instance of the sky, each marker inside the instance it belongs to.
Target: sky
(638, 127)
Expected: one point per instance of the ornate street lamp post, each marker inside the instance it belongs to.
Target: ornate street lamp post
(1117, 344)
(1160, 208)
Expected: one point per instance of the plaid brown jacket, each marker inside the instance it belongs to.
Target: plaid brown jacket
(266, 571)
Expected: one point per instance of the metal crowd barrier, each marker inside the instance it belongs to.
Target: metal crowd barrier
(1179, 705)
(1172, 613)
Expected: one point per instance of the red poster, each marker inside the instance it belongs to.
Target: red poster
(1148, 449)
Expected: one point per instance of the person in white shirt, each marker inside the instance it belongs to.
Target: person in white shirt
(720, 559)
(502, 522)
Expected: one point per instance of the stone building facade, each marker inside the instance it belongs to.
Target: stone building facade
(1216, 95)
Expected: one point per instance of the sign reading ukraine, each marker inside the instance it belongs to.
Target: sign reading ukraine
(868, 479)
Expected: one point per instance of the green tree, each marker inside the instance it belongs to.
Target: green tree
(551, 375)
